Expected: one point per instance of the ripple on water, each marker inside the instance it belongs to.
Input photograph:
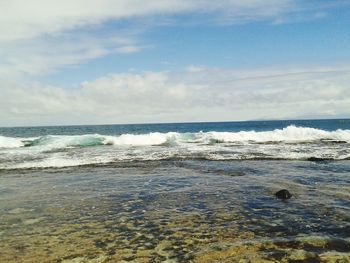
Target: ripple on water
(174, 213)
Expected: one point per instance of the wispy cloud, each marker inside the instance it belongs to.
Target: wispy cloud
(39, 36)
(195, 68)
(129, 49)
(47, 17)
(38, 17)
(47, 54)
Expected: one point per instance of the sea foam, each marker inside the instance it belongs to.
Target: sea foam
(9, 142)
(290, 134)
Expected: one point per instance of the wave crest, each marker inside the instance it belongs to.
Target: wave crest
(290, 134)
(290, 143)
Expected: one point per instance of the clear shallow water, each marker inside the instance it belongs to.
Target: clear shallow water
(183, 211)
(191, 197)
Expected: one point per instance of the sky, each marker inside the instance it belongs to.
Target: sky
(133, 61)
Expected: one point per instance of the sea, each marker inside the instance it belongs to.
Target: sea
(177, 192)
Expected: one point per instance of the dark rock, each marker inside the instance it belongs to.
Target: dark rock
(100, 243)
(283, 194)
(318, 159)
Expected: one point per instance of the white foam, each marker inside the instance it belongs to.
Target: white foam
(288, 134)
(58, 161)
(9, 142)
(155, 138)
(287, 143)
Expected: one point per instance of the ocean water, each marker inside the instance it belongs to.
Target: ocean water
(96, 145)
(194, 192)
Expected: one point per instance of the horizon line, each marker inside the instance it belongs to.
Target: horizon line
(186, 122)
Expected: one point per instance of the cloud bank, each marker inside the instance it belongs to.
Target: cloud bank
(206, 95)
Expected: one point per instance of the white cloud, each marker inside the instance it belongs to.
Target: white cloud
(39, 17)
(128, 49)
(29, 19)
(42, 56)
(166, 97)
(33, 18)
(196, 68)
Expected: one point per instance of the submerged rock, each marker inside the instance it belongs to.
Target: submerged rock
(302, 255)
(334, 257)
(98, 259)
(283, 194)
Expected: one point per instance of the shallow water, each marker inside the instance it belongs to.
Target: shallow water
(177, 211)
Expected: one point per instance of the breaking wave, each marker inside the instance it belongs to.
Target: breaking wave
(290, 134)
(290, 143)
(8, 142)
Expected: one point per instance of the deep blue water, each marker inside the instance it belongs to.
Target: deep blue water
(118, 129)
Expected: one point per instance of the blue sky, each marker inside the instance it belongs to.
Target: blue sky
(90, 62)
(324, 39)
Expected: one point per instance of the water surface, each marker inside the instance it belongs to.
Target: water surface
(202, 193)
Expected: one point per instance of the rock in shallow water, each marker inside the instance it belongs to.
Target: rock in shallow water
(283, 194)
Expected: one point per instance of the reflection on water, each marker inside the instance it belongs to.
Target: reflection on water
(190, 211)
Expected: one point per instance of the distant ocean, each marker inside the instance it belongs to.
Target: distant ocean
(186, 192)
